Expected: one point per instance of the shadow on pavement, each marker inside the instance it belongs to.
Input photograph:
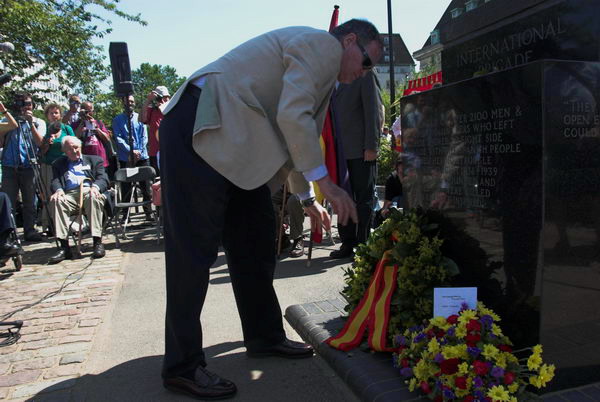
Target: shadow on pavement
(140, 380)
(291, 268)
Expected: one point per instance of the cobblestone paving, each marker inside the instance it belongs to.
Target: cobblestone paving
(57, 333)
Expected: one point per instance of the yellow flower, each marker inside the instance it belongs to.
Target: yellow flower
(421, 370)
(537, 350)
(501, 360)
(412, 385)
(463, 368)
(486, 311)
(535, 381)
(433, 346)
(496, 330)
(514, 387)
(498, 393)
(534, 362)
(490, 351)
(441, 322)
(513, 399)
(546, 374)
(466, 316)
(461, 392)
(461, 331)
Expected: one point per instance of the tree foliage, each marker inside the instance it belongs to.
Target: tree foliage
(57, 35)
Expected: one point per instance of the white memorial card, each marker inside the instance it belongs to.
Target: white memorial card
(449, 301)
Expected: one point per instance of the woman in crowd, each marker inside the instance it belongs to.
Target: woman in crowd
(93, 133)
(50, 149)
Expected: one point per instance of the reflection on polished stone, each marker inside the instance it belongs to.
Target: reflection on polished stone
(515, 157)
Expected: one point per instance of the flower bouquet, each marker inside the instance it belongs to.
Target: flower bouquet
(466, 357)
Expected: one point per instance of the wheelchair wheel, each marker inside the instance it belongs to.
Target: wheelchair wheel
(18, 261)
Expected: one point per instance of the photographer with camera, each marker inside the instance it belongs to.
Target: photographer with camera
(152, 116)
(18, 158)
(93, 133)
(72, 114)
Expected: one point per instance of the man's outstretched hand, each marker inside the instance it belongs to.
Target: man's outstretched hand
(342, 204)
(319, 218)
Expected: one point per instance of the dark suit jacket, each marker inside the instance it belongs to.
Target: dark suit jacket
(96, 172)
(357, 107)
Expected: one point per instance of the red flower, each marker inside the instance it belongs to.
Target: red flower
(473, 325)
(453, 319)
(440, 333)
(404, 362)
(472, 339)
(505, 348)
(430, 334)
(469, 398)
(509, 378)
(449, 366)
(425, 387)
(481, 368)
(460, 382)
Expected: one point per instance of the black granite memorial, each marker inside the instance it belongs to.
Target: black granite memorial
(514, 157)
(551, 29)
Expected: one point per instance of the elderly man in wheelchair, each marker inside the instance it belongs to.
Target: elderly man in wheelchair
(79, 181)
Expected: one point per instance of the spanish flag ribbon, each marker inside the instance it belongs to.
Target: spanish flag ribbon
(373, 312)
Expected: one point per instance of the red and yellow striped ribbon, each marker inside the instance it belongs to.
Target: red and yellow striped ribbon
(373, 312)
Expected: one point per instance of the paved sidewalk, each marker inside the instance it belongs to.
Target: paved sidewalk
(58, 332)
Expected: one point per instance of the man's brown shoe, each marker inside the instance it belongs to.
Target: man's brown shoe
(287, 349)
(205, 386)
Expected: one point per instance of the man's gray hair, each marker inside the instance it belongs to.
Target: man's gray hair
(69, 139)
(365, 31)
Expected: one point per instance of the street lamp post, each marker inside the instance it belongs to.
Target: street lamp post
(391, 53)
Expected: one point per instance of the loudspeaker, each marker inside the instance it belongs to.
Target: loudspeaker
(121, 71)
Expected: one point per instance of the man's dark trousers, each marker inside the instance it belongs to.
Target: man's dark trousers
(362, 181)
(201, 208)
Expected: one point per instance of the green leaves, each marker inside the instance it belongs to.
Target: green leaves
(56, 35)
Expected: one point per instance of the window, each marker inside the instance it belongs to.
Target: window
(471, 5)
(456, 12)
(435, 36)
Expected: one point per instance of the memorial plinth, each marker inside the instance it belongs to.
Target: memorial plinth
(514, 157)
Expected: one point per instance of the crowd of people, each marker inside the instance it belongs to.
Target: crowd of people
(53, 167)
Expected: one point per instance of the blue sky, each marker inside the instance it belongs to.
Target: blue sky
(188, 34)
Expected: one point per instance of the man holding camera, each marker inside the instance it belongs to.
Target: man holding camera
(72, 114)
(152, 116)
(20, 145)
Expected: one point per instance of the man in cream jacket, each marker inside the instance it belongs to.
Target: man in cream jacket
(238, 127)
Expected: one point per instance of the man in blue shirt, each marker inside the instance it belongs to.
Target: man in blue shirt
(17, 171)
(140, 153)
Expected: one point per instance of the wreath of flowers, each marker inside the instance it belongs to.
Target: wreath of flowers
(424, 245)
(466, 357)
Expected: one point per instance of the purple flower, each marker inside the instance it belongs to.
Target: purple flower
(420, 337)
(400, 340)
(497, 372)
(464, 306)
(442, 341)
(479, 395)
(395, 362)
(451, 331)
(477, 382)
(406, 372)
(448, 394)
(438, 358)
(487, 320)
(474, 351)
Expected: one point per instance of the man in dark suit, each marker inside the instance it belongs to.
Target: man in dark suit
(74, 174)
(359, 114)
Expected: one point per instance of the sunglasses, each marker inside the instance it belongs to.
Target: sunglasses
(27, 103)
(367, 63)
